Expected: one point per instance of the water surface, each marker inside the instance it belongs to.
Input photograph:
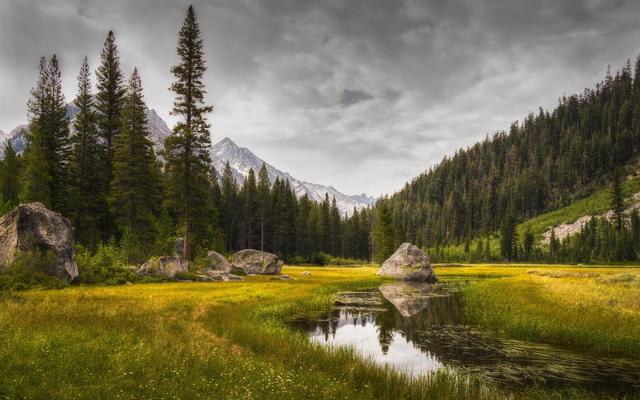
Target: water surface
(417, 329)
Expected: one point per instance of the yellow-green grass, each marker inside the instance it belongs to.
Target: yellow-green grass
(194, 340)
(593, 308)
(223, 340)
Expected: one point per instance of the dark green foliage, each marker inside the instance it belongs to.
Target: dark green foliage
(36, 177)
(107, 179)
(135, 191)
(601, 241)
(186, 152)
(57, 139)
(30, 270)
(554, 247)
(87, 196)
(109, 103)
(271, 218)
(509, 238)
(229, 208)
(617, 201)
(107, 265)
(385, 237)
(249, 235)
(263, 200)
(45, 176)
(528, 245)
(10, 170)
(547, 161)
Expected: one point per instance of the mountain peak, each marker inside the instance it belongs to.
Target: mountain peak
(227, 140)
(241, 160)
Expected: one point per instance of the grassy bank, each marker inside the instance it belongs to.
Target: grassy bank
(597, 309)
(224, 340)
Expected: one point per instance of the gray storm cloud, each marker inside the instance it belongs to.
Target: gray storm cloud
(359, 94)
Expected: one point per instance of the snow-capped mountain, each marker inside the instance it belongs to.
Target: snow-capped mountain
(156, 125)
(242, 159)
(17, 137)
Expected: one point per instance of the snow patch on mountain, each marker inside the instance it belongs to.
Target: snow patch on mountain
(17, 138)
(241, 160)
(158, 130)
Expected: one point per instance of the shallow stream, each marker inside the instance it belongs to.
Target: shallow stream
(417, 329)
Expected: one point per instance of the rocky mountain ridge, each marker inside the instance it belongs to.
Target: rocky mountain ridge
(240, 160)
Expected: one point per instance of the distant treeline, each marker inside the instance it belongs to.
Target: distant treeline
(271, 217)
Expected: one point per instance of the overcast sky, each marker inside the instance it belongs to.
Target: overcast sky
(360, 94)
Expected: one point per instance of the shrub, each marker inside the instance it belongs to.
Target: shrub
(29, 270)
(327, 259)
(107, 265)
(298, 260)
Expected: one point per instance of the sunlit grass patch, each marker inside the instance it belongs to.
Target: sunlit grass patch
(578, 308)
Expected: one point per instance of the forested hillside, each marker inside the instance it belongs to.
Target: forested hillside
(542, 163)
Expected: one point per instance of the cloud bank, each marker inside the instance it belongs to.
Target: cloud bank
(359, 94)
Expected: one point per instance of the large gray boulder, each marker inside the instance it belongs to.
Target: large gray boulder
(257, 262)
(164, 267)
(217, 262)
(408, 263)
(33, 227)
(219, 269)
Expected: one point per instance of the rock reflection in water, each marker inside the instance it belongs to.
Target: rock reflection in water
(415, 328)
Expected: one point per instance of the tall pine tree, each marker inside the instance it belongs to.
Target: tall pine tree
(87, 194)
(263, 199)
(385, 235)
(135, 190)
(58, 142)
(617, 200)
(187, 148)
(45, 177)
(109, 101)
(9, 177)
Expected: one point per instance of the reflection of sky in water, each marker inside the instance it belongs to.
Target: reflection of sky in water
(415, 329)
(401, 354)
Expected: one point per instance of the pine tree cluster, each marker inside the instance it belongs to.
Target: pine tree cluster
(104, 174)
(546, 162)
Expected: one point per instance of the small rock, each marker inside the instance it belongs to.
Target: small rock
(165, 267)
(222, 276)
(282, 278)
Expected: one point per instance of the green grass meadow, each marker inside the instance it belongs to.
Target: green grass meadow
(230, 340)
